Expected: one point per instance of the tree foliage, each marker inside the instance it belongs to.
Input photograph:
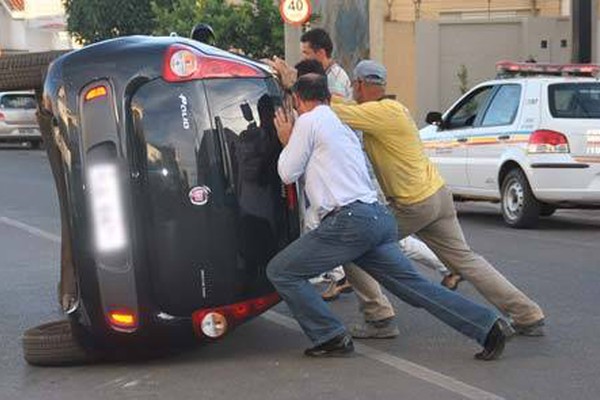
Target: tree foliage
(253, 26)
(90, 21)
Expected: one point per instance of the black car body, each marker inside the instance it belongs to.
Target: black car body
(168, 156)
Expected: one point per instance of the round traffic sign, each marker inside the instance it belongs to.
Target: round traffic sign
(295, 12)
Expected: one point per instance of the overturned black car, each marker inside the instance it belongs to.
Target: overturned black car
(165, 159)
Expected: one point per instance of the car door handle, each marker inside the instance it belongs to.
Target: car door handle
(462, 140)
(503, 137)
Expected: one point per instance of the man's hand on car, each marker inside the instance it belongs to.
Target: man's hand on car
(284, 124)
(287, 74)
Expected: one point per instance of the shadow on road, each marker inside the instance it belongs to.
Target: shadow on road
(563, 220)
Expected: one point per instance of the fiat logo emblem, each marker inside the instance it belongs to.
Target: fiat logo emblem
(199, 195)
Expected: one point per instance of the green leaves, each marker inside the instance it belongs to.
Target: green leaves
(90, 21)
(254, 26)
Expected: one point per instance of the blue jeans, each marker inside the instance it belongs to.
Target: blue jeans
(367, 235)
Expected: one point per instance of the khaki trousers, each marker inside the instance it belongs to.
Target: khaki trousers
(435, 222)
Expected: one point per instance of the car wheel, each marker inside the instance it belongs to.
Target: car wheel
(520, 208)
(54, 344)
(25, 71)
(547, 210)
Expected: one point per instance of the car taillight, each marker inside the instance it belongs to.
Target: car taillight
(183, 63)
(215, 322)
(548, 141)
(2, 117)
(96, 92)
(122, 319)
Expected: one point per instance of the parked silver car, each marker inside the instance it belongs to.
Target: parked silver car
(17, 118)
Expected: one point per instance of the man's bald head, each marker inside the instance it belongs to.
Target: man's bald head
(312, 87)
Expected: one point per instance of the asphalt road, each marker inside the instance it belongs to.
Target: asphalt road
(557, 265)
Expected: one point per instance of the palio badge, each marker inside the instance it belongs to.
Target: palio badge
(199, 195)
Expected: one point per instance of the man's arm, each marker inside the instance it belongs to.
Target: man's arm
(298, 146)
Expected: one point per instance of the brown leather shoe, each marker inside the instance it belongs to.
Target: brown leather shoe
(335, 288)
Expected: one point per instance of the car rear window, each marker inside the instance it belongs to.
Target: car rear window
(18, 101)
(575, 100)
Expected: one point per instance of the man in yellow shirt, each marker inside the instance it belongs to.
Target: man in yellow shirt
(422, 203)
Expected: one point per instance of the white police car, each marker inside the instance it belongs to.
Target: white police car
(530, 140)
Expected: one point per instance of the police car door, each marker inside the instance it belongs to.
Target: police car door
(450, 145)
(494, 131)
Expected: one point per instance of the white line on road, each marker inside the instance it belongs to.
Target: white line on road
(30, 229)
(410, 368)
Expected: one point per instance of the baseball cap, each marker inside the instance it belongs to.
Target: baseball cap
(370, 71)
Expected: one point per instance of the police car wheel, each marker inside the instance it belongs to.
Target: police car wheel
(520, 208)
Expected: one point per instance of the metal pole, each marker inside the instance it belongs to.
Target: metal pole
(581, 17)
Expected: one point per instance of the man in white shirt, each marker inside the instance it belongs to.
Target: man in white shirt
(316, 44)
(353, 227)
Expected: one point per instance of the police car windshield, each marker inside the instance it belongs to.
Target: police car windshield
(575, 100)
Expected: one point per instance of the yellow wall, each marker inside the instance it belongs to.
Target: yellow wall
(399, 57)
(404, 10)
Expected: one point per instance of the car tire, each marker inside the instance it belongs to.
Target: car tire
(53, 344)
(520, 208)
(25, 71)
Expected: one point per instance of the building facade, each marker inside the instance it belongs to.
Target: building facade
(32, 25)
(434, 49)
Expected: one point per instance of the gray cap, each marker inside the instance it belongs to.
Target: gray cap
(370, 71)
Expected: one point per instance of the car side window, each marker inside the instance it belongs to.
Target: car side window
(466, 112)
(503, 107)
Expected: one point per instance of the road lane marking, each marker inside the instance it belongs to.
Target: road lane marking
(400, 364)
(32, 230)
(408, 367)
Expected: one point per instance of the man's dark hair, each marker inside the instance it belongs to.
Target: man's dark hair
(309, 67)
(318, 39)
(312, 87)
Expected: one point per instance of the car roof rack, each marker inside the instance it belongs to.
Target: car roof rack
(512, 69)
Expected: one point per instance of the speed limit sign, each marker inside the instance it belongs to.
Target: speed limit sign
(295, 12)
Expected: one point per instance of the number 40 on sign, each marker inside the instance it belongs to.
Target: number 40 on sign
(295, 12)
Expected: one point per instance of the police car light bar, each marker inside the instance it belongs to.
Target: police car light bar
(511, 68)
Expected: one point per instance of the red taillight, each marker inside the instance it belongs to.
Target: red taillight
(548, 141)
(291, 196)
(96, 92)
(122, 319)
(2, 117)
(234, 314)
(183, 63)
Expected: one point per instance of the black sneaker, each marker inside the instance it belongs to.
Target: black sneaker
(339, 346)
(500, 333)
